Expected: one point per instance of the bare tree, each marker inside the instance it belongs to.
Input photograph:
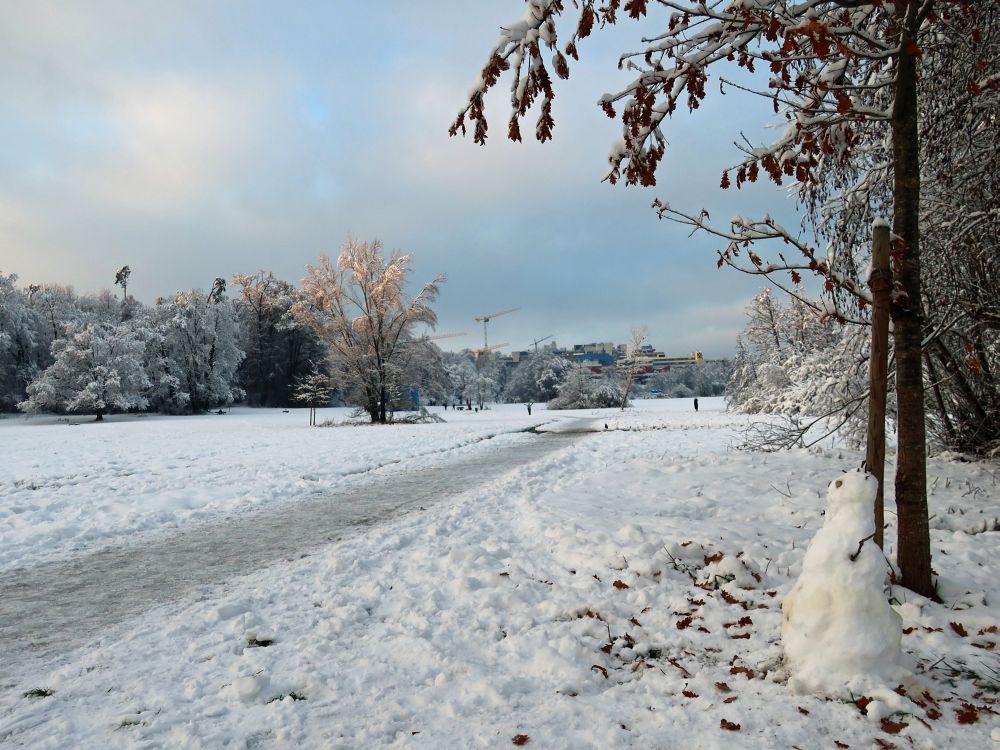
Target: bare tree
(638, 337)
(360, 308)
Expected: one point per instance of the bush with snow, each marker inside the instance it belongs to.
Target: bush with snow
(581, 390)
(841, 636)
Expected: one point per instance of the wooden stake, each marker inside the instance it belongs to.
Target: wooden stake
(880, 284)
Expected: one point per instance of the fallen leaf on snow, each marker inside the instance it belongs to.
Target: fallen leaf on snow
(729, 725)
(967, 714)
(893, 727)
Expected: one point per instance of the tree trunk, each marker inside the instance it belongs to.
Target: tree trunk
(99, 417)
(913, 551)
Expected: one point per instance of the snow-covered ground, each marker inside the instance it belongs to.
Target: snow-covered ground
(70, 484)
(622, 591)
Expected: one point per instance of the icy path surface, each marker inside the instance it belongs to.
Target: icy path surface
(48, 609)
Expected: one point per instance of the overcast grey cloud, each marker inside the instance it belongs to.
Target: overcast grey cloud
(193, 140)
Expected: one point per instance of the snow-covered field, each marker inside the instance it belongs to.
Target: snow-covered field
(68, 485)
(622, 591)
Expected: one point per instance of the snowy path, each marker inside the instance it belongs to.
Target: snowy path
(48, 609)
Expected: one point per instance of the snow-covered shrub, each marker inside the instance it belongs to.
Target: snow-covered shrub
(537, 378)
(790, 361)
(841, 637)
(581, 390)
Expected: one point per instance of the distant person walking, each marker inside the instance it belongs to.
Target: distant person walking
(529, 408)
(696, 404)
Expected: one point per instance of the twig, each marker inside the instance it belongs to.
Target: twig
(860, 545)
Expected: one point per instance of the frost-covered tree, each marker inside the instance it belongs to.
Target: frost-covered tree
(195, 353)
(314, 390)
(844, 76)
(22, 340)
(706, 379)
(98, 368)
(583, 390)
(360, 308)
(537, 378)
(793, 361)
(423, 373)
(461, 374)
(122, 276)
(278, 345)
(960, 146)
(481, 389)
(631, 366)
(56, 306)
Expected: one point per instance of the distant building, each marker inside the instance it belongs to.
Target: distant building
(593, 359)
(602, 348)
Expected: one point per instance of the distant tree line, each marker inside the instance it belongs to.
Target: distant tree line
(347, 335)
(65, 352)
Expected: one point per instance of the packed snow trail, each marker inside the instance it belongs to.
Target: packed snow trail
(51, 608)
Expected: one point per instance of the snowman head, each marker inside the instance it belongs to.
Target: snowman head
(852, 490)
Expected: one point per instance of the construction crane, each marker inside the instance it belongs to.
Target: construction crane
(485, 319)
(536, 342)
(485, 350)
(441, 336)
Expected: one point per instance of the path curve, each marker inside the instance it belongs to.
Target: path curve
(49, 609)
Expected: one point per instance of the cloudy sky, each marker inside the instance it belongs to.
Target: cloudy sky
(192, 140)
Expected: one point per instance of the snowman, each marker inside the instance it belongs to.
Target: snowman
(841, 637)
